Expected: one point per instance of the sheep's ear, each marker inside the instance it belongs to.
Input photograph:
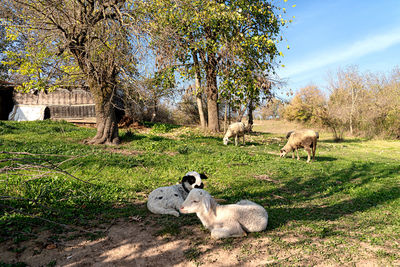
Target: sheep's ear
(207, 203)
(203, 176)
(188, 178)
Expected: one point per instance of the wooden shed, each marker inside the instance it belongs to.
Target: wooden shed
(71, 105)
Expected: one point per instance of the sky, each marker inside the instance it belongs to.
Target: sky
(326, 35)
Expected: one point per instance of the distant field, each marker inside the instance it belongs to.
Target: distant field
(275, 126)
(65, 203)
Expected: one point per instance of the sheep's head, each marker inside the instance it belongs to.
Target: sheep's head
(226, 140)
(193, 180)
(198, 200)
(283, 152)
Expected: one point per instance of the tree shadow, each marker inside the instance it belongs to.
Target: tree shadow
(129, 137)
(298, 190)
(317, 158)
(250, 143)
(343, 141)
(281, 216)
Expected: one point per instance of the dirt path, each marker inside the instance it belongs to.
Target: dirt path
(137, 244)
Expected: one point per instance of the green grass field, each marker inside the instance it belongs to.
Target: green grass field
(342, 209)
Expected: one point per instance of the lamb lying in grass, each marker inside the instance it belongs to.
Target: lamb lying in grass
(306, 139)
(236, 130)
(224, 221)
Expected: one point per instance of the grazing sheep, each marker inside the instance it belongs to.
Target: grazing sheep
(168, 199)
(306, 139)
(224, 221)
(236, 130)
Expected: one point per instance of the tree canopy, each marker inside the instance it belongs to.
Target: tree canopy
(232, 41)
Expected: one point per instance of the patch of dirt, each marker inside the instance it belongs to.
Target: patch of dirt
(276, 126)
(139, 243)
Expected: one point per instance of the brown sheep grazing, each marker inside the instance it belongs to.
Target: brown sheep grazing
(306, 139)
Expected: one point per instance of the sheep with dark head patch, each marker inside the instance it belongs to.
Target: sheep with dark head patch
(168, 199)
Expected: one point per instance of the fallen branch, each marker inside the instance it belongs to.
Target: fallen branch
(49, 221)
(29, 164)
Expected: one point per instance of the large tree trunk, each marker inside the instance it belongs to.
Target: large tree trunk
(103, 91)
(199, 100)
(212, 107)
(199, 90)
(251, 119)
(210, 62)
(212, 93)
(106, 121)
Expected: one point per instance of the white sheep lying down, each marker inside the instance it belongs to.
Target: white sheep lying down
(224, 221)
(236, 130)
(306, 139)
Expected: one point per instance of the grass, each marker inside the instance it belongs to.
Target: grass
(349, 196)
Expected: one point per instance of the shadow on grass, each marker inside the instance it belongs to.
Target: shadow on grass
(280, 216)
(343, 141)
(320, 188)
(129, 137)
(205, 138)
(317, 158)
(355, 188)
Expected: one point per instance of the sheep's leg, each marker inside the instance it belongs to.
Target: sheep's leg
(236, 140)
(297, 151)
(314, 147)
(235, 231)
(308, 152)
(293, 153)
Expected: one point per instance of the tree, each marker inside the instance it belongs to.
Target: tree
(4, 46)
(272, 109)
(241, 34)
(69, 40)
(349, 85)
(305, 105)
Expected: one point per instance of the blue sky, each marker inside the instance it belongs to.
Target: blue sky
(330, 34)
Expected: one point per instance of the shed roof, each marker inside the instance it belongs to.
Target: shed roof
(6, 85)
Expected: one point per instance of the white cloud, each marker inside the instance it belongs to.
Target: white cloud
(357, 49)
